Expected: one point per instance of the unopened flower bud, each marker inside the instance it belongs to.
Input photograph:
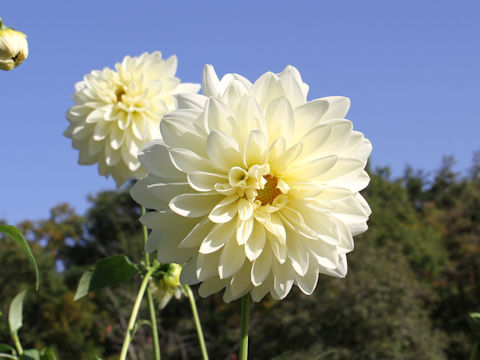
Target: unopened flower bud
(13, 48)
(167, 285)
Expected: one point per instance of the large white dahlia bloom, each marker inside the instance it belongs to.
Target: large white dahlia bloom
(118, 111)
(254, 188)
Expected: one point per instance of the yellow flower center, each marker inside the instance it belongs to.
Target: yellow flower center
(119, 93)
(258, 185)
(269, 191)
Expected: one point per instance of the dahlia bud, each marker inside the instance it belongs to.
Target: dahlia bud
(13, 47)
(167, 284)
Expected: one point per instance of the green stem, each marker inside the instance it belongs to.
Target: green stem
(17, 343)
(151, 306)
(133, 317)
(196, 318)
(244, 331)
(153, 320)
(474, 350)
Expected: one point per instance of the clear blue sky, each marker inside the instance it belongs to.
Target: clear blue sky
(411, 69)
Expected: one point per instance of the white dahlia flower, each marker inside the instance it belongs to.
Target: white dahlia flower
(118, 111)
(254, 188)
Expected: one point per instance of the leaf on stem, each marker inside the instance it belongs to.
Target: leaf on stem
(31, 354)
(5, 348)
(15, 234)
(15, 317)
(110, 271)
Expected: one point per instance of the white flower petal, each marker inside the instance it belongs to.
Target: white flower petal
(283, 279)
(188, 161)
(186, 88)
(207, 265)
(234, 93)
(117, 138)
(337, 107)
(188, 275)
(191, 101)
(280, 120)
(205, 181)
(240, 284)
(341, 269)
(223, 151)
(267, 88)
(342, 167)
(167, 246)
(94, 147)
(255, 148)
(278, 249)
(297, 252)
(153, 194)
(326, 255)
(244, 229)
(308, 282)
(217, 237)
(292, 85)
(210, 82)
(218, 116)
(314, 169)
(231, 259)
(314, 140)
(194, 204)
(261, 267)
(273, 224)
(156, 159)
(211, 286)
(225, 210)
(256, 242)
(245, 209)
(199, 232)
(175, 134)
(95, 116)
(260, 291)
(250, 116)
(308, 116)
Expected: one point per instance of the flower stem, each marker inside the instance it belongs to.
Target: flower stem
(153, 320)
(151, 307)
(474, 350)
(133, 317)
(196, 318)
(18, 345)
(244, 331)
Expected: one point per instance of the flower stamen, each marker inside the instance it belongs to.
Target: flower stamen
(119, 93)
(269, 191)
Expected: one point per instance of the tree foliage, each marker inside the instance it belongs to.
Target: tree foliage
(412, 282)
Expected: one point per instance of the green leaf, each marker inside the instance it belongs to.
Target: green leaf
(5, 348)
(48, 354)
(15, 317)
(106, 272)
(31, 354)
(15, 234)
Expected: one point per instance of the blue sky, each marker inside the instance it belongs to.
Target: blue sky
(410, 68)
